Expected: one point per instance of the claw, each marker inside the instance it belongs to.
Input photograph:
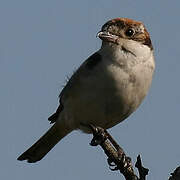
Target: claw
(111, 162)
(114, 169)
(99, 135)
(93, 128)
(95, 142)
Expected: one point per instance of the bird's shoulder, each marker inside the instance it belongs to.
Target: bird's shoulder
(84, 71)
(71, 86)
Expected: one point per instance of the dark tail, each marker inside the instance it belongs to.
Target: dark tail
(38, 150)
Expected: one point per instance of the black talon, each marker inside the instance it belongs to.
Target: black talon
(94, 142)
(114, 169)
(111, 162)
(99, 135)
(93, 128)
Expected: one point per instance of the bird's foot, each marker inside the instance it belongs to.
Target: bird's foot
(99, 135)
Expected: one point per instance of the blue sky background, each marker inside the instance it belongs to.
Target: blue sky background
(42, 42)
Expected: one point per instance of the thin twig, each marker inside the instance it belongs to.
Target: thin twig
(116, 155)
(143, 172)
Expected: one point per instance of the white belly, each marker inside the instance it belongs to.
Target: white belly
(107, 94)
(107, 98)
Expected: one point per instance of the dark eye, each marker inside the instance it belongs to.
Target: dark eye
(129, 32)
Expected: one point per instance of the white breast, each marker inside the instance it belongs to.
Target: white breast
(111, 91)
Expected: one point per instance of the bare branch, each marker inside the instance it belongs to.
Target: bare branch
(116, 155)
(143, 172)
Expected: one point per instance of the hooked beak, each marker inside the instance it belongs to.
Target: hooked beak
(106, 36)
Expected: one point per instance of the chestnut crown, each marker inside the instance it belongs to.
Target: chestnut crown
(128, 29)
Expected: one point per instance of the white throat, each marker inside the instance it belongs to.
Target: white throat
(128, 52)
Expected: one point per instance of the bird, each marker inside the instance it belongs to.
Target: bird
(107, 88)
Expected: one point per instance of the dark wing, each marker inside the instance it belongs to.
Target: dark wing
(54, 117)
(89, 64)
